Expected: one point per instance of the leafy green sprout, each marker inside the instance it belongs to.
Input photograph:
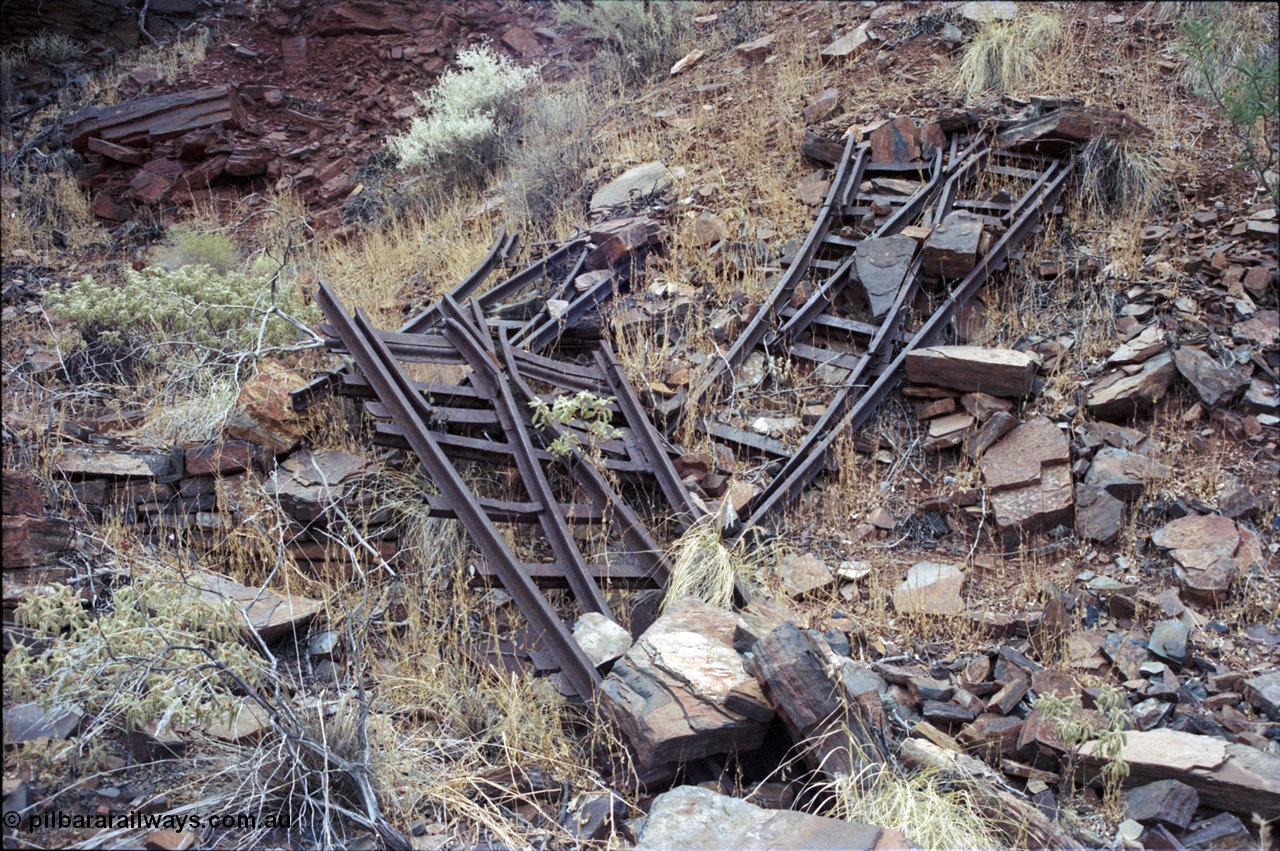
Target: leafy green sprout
(593, 412)
(1076, 729)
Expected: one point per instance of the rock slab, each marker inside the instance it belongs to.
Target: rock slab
(998, 372)
(668, 692)
(691, 817)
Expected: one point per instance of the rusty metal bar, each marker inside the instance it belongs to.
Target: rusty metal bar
(486, 375)
(761, 323)
(622, 517)
(813, 457)
(389, 382)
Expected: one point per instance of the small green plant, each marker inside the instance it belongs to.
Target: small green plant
(54, 48)
(1239, 72)
(1105, 728)
(153, 656)
(467, 115)
(592, 411)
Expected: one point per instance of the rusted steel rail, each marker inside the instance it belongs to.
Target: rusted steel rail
(408, 408)
(488, 417)
(503, 247)
(853, 405)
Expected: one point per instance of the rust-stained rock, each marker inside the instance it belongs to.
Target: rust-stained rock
(951, 251)
(1120, 394)
(33, 541)
(154, 119)
(758, 49)
(1227, 776)
(896, 141)
(264, 412)
(690, 818)
(1028, 476)
(1205, 549)
(21, 494)
(668, 692)
(999, 372)
(620, 238)
(219, 459)
(1058, 131)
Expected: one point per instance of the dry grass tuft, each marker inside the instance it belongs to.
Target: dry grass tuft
(1122, 176)
(705, 568)
(1004, 56)
(931, 812)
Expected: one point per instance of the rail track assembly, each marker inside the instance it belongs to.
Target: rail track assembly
(482, 422)
(553, 274)
(836, 324)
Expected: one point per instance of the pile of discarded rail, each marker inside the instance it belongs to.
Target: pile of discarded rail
(487, 416)
(889, 237)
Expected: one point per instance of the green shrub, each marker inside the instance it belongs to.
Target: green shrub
(142, 660)
(193, 305)
(52, 47)
(1234, 61)
(468, 112)
(644, 39)
(189, 247)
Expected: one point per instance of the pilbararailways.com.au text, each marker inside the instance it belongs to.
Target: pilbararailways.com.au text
(58, 820)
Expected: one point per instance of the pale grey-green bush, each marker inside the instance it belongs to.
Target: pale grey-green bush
(467, 114)
(195, 305)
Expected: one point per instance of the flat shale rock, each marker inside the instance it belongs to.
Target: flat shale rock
(1120, 395)
(931, 589)
(1167, 802)
(1099, 515)
(27, 722)
(108, 464)
(1215, 384)
(1208, 553)
(951, 251)
(638, 182)
(270, 614)
(804, 574)
(1122, 473)
(998, 372)
(850, 45)
(882, 266)
(1263, 692)
(600, 638)
(668, 692)
(1227, 776)
(697, 819)
(1028, 475)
